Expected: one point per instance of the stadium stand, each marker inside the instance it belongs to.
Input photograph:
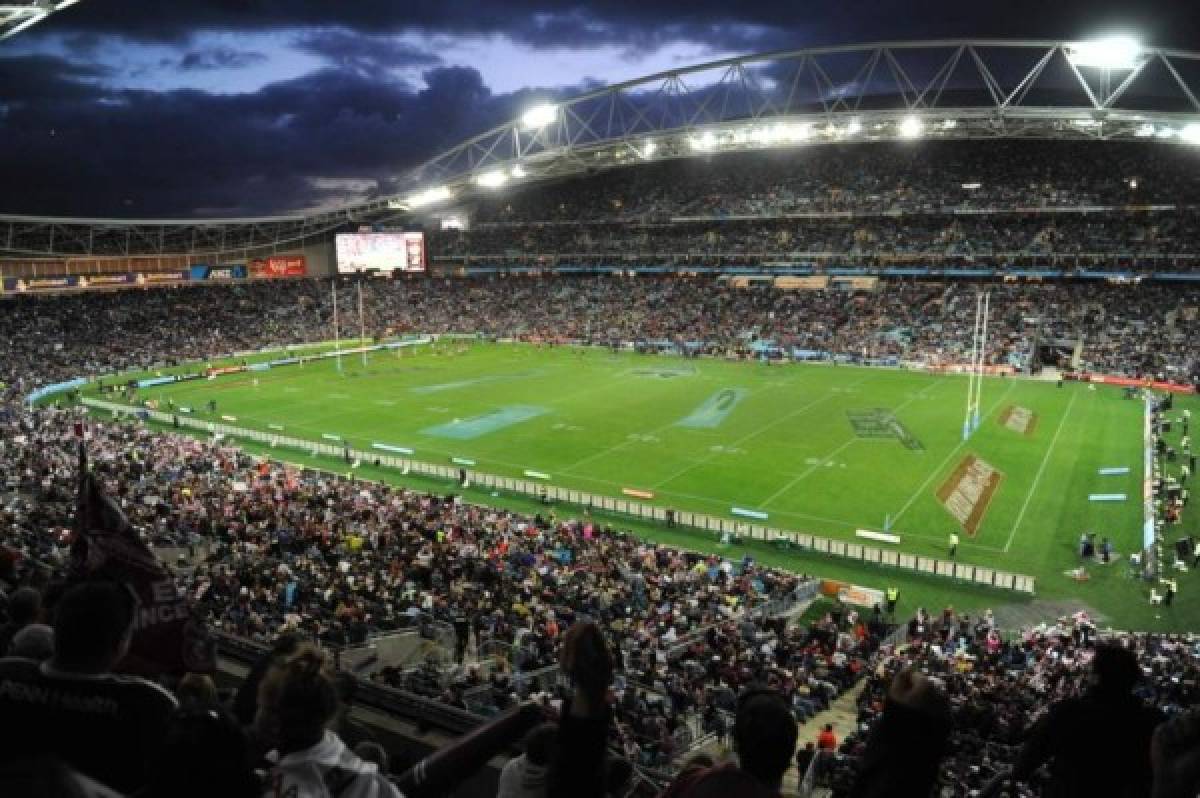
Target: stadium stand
(306, 554)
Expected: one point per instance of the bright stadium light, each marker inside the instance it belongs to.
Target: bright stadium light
(949, 124)
(911, 127)
(493, 179)
(793, 132)
(1165, 132)
(705, 142)
(1113, 52)
(854, 128)
(539, 116)
(649, 148)
(1190, 133)
(1144, 131)
(429, 196)
(517, 172)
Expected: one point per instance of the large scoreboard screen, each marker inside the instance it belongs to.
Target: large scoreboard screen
(380, 252)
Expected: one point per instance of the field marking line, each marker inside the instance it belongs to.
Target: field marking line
(767, 501)
(921, 488)
(737, 444)
(853, 439)
(1041, 469)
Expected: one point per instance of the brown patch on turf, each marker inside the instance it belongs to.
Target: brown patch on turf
(1020, 420)
(968, 491)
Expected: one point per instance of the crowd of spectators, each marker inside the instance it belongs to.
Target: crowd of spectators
(1127, 330)
(1057, 205)
(868, 178)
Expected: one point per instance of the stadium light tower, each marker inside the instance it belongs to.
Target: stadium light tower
(1190, 133)
(911, 127)
(539, 116)
(1112, 53)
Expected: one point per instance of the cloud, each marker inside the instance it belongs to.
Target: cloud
(218, 58)
(362, 53)
(643, 23)
(325, 136)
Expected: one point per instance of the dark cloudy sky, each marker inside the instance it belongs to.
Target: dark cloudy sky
(223, 107)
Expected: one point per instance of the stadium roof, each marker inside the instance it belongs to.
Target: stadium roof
(1109, 90)
(16, 17)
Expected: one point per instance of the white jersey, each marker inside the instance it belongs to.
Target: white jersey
(327, 770)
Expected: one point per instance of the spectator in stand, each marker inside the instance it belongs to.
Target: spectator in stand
(205, 753)
(297, 703)
(525, 776)
(764, 737)
(908, 741)
(73, 706)
(1097, 743)
(35, 642)
(827, 740)
(24, 608)
(578, 769)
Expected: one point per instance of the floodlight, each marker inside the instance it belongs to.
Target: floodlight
(1114, 52)
(1085, 123)
(539, 116)
(854, 128)
(429, 196)
(949, 124)
(972, 186)
(793, 132)
(1190, 133)
(648, 148)
(911, 127)
(1144, 131)
(705, 142)
(1165, 133)
(517, 172)
(493, 179)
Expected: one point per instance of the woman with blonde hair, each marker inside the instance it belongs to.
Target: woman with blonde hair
(297, 702)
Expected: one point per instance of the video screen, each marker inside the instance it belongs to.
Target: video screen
(380, 252)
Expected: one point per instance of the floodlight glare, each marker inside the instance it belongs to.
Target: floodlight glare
(1190, 133)
(705, 142)
(949, 124)
(1165, 133)
(1144, 131)
(1114, 52)
(649, 148)
(539, 116)
(517, 172)
(429, 196)
(854, 128)
(491, 179)
(910, 127)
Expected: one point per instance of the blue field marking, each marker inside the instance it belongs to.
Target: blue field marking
(469, 428)
(713, 411)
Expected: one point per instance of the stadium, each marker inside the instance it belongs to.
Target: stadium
(808, 423)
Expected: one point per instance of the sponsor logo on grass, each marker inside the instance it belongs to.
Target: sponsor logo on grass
(968, 491)
(880, 422)
(714, 410)
(663, 373)
(463, 429)
(1020, 420)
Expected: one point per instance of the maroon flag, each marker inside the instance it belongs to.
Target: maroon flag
(167, 637)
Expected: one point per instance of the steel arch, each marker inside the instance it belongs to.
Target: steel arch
(937, 89)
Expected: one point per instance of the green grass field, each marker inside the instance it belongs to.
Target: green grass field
(819, 448)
